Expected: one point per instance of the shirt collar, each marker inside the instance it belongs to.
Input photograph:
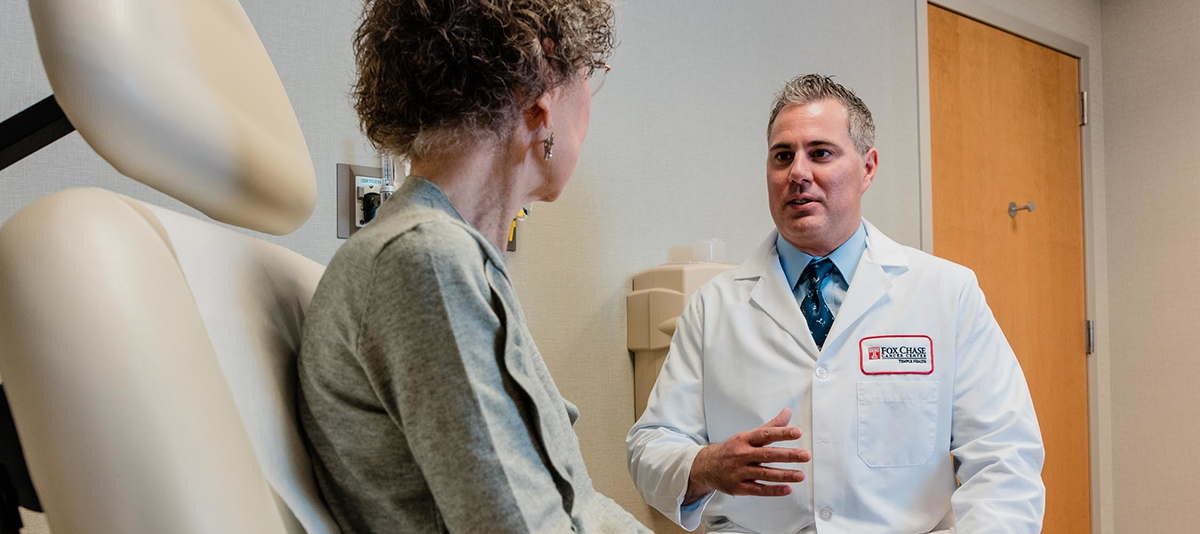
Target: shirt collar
(846, 257)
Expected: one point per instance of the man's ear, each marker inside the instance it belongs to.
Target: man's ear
(870, 163)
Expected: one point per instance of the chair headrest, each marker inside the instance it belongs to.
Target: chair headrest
(181, 95)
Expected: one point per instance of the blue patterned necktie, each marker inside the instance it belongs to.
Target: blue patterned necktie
(815, 311)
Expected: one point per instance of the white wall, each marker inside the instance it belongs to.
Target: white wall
(1152, 81)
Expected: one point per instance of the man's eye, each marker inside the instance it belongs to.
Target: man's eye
(783, 156)
(820, 153)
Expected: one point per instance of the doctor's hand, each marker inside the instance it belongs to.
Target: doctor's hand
(735, 466)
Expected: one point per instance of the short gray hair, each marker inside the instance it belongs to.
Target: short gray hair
(808, 88)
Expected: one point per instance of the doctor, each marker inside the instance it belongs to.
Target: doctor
(824, 384)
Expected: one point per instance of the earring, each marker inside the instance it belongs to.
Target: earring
(549, 144)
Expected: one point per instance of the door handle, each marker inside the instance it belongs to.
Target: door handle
(1013, 208)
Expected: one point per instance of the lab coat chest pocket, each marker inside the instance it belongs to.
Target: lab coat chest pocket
(897, 422)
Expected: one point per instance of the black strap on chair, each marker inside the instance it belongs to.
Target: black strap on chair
(30, 130)
(16, 488)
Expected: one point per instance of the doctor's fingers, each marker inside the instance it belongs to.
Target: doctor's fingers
(762, 490)
(767, 435)
(771, 474)
(770, 455)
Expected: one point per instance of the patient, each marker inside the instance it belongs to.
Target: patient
(425, 402)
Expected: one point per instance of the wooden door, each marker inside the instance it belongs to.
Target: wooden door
(1005, 128)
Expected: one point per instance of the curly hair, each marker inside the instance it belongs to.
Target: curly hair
(813, 87)
(440, 75)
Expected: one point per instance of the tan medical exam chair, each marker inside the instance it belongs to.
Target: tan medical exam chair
(149, 357)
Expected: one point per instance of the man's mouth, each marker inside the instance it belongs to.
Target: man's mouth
(800, 201)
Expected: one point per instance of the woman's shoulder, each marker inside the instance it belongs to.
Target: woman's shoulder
(414, 235)
(439, 242)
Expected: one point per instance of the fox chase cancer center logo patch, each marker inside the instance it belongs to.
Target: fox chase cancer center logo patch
(896, 355)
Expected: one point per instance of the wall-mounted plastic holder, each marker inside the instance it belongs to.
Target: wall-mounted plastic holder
(652, 312)
(357, 197)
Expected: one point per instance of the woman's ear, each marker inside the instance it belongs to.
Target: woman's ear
(539, 115)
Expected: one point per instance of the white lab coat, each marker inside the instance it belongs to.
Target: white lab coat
(881, 443)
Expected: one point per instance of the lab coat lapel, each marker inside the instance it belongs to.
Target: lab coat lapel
(881, 263)
(773, 296)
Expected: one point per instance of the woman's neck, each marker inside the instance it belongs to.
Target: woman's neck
(485, 188)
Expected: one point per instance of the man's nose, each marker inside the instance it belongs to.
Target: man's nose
(800, 171)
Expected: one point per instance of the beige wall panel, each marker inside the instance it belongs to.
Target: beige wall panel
(1152, 83)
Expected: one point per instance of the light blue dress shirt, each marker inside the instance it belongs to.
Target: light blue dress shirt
(834, 288)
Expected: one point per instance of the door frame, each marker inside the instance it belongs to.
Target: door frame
(1098, 377)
